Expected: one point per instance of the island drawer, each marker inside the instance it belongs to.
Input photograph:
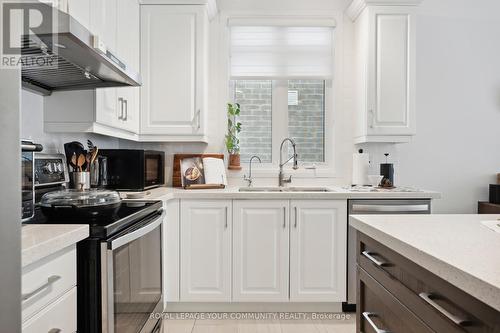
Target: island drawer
(379, 311)
(435, 301)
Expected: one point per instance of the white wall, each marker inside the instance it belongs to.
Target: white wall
(457, 147)
(32, 128)
(277, 5)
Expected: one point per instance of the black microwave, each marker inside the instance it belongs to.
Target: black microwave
(134, 169)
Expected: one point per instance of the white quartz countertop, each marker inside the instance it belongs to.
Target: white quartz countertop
(41, 240)
(457, 248)
(167, 193)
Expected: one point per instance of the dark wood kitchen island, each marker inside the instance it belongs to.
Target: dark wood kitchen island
(427, 273)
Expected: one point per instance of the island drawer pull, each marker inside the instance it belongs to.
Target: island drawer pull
(368, 317)
(50, 280)
(429, 299)
(370, 257)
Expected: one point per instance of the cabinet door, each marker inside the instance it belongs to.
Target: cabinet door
(173, 55)
(391, 71)
(318, 250)
(205, 251)
(260, 250)
(80, 10)
(127, 47)
(108, 109)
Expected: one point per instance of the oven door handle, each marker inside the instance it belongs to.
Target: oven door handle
(357, 208)
(31, 147)
(132, 236)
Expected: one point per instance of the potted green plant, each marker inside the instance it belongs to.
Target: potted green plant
(232, 141)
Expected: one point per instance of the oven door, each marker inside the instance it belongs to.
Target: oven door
(131, 273)
(153, 169)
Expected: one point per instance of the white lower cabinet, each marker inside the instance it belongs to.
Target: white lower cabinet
(318, 250)
(205, 235)
(257, 251)
(260, 250)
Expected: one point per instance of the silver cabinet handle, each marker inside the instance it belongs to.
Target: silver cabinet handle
(284, 217)
(55, 330)
(199, 118)
(356, 208)
(455, 319)
(295, 208)
(368, 317)
(370, 257)
(50, 280)
(125, 102)
(120, 100)
(372, 118)
(225, 226)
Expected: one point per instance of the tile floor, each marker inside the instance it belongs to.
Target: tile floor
(259, 326)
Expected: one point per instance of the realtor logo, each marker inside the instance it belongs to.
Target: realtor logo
(22, 24)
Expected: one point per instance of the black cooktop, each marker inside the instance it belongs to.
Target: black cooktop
(130, 213)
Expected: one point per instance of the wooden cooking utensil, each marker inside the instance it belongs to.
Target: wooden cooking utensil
(80, 162)
(94, 153)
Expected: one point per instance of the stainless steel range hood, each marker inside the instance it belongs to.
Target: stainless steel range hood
(78, 59)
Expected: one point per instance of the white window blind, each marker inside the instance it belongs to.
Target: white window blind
(281, 52)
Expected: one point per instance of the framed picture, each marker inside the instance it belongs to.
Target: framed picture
(192, 171)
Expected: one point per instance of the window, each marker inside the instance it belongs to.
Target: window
(303, 118)
(281, 76)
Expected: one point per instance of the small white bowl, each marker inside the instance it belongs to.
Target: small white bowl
(374, 180)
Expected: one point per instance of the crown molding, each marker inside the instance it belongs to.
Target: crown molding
(212, 9)
(357, 6)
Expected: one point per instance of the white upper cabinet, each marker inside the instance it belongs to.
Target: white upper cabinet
(104, 17)
(173, 68)
(384, 71)
(318, 231)
(260, 250)
(205, 271)
(107, 111)
(127, 47)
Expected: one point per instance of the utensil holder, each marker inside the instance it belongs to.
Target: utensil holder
(80, 180)
(94, 173)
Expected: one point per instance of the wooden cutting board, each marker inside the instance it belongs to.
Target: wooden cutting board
(176, 175)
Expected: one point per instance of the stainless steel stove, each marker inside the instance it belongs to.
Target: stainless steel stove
(119, 273)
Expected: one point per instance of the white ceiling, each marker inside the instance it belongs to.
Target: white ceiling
(276, 5)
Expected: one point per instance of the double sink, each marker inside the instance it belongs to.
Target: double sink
(284, 189)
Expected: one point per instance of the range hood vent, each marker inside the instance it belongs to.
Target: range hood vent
(71, 58)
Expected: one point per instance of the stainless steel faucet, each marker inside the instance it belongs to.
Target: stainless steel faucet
(281, 177)
(249, 178)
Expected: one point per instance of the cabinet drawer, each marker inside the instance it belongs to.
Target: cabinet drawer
(379, 311)
(59, 316)
(47, 279)
(438, 303)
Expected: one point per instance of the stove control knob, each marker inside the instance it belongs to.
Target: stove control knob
(48, 168)
(58, 167)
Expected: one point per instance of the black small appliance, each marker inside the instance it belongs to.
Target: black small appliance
(495, 194)
(387, 171)
(134, 169)
(28, 148)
